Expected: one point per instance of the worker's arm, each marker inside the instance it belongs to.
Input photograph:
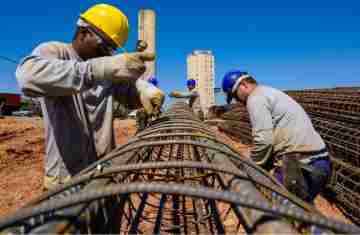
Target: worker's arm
(151, 97)
(186, 94)
(44, 74)
(262, 129)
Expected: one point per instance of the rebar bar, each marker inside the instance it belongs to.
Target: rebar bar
(175, 177)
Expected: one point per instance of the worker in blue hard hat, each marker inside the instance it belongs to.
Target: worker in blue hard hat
(142, 118)
(284, 138)
(76, 84)
(192, 95)
(191, 84)
(153, 81)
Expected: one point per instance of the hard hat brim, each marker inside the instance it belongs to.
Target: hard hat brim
(101, 33)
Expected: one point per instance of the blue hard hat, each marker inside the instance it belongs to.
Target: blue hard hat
(191, 82)
(229, 82)
(153, 81)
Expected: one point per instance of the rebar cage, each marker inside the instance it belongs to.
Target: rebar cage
(174, 177)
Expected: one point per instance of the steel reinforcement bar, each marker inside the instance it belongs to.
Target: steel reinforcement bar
(176, 177)
(334, 104)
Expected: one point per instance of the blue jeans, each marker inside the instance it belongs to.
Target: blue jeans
(314, 183)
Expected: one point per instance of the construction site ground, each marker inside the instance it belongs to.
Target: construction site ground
(22, 148)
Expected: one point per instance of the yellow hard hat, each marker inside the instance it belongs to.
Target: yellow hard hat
(110, 21)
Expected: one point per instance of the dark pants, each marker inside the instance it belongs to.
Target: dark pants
(314, 182)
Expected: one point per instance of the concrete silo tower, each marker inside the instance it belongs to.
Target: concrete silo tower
(147, 32)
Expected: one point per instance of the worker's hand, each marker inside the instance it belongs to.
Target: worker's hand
(151, 97)
(174, 94)
(120, 68)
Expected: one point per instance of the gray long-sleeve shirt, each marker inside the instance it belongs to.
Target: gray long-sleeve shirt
(193, 99)
(77, 111)
(279, 125)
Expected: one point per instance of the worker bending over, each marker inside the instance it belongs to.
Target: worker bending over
(76, 84)
(142, 118)
(284, 138)
(192, 95)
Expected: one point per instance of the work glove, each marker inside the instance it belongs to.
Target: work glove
(120, 68)
(151, 97)
(174, 94)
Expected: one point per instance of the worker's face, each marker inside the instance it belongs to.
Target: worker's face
(242, 92)
(92, 45)
(191, 88)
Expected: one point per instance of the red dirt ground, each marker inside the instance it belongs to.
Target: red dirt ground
(21, 161)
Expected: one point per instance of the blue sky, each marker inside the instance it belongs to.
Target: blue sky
(286, 44)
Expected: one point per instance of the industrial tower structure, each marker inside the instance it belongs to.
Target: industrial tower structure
(147, 33)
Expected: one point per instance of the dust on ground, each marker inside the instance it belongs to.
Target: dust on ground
(21, 157)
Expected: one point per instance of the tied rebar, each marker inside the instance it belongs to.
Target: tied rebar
(174, 177)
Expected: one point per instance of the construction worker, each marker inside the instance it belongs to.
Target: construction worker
(142, 46)
(192, 95)
(75, 83)
(141, 117)
(283, 136)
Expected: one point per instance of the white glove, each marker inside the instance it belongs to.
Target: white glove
(151, 97)
(120, 68)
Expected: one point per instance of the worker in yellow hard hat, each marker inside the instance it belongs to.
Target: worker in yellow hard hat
(77, 83)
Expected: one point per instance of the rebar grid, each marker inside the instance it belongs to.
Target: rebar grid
(174, 177)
